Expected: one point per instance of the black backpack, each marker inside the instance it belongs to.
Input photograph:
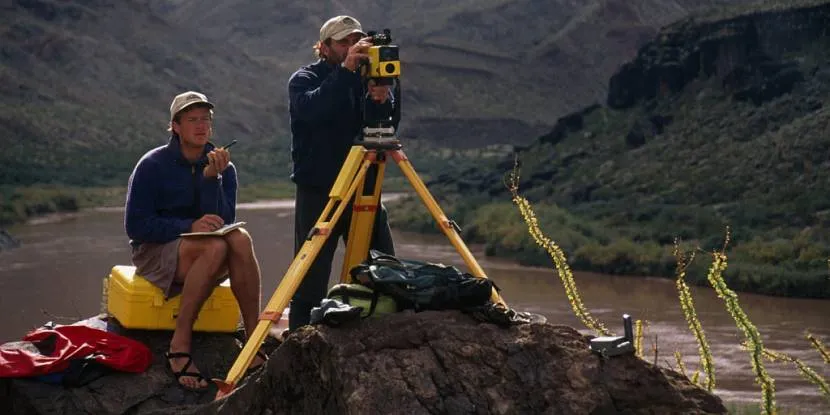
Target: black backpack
(422, 285)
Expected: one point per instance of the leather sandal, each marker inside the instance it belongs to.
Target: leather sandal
(183, 371)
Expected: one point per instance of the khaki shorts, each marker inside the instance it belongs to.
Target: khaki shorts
(157, 263)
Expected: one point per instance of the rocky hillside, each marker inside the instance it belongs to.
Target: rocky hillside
(721, 120)
(474, 72)
(85, 88)
(84, 85)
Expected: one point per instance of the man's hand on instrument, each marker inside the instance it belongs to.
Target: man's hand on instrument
(357, 53)
(378, 93)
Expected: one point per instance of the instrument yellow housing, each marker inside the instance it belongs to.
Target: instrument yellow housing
(383, 62)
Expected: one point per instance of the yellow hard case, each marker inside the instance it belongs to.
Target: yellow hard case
(138, 304)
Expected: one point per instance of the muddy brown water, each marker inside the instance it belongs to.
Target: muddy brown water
(56, 275)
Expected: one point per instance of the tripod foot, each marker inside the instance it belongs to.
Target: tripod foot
(225, 388)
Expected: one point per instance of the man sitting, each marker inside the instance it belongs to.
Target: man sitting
(189, 185)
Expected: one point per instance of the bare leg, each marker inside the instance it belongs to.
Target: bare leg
(245, 280)
(200, 260)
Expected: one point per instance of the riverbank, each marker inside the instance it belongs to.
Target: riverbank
(21, 204)
(782, 264)
(784, 267)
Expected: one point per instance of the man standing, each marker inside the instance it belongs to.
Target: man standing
(189, 185)
(326, 101)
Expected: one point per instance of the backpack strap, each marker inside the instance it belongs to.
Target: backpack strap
(343, 292)
(373, 304)
(379, 258)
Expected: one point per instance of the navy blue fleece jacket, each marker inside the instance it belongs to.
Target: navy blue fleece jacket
(326, 115)
(167, 193)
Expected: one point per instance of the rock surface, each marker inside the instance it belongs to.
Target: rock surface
(125, 393)
(7, 241)
(748, 52)
(407, 363)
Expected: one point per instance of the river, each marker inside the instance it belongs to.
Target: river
(57, 272)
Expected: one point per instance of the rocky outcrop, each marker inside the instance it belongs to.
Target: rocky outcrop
(746, 52)
(412, 363)
(124, 393)
(569, 123)
(7, 241)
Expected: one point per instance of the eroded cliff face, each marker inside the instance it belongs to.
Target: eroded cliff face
(748, 52)
(408, 363)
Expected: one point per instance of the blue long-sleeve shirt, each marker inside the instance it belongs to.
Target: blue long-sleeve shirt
(326, 115)
(167, 193)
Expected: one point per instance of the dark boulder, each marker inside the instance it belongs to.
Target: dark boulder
(760, 86)
(636, 137)
(412, 363)
(7, 241)
(570, 123)
(659, 123)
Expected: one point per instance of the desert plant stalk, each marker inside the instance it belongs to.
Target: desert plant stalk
(556, 253)
(753, 337)
(680, 366)
(820, 347)
(696, 378)
(806, 371)
(688, 306)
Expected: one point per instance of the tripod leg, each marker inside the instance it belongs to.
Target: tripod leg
(364, 211)
(450, 228)
(351, 175)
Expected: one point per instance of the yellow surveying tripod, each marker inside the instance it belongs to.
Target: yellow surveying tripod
(349, 183)
(379, 143)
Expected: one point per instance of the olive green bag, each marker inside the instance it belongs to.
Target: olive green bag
(373, 303)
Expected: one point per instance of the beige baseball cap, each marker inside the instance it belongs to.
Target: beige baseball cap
(339, 27)
(186, 99)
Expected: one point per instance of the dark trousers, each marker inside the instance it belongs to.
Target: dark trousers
(309, 204)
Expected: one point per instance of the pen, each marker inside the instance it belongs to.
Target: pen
(229, 145)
